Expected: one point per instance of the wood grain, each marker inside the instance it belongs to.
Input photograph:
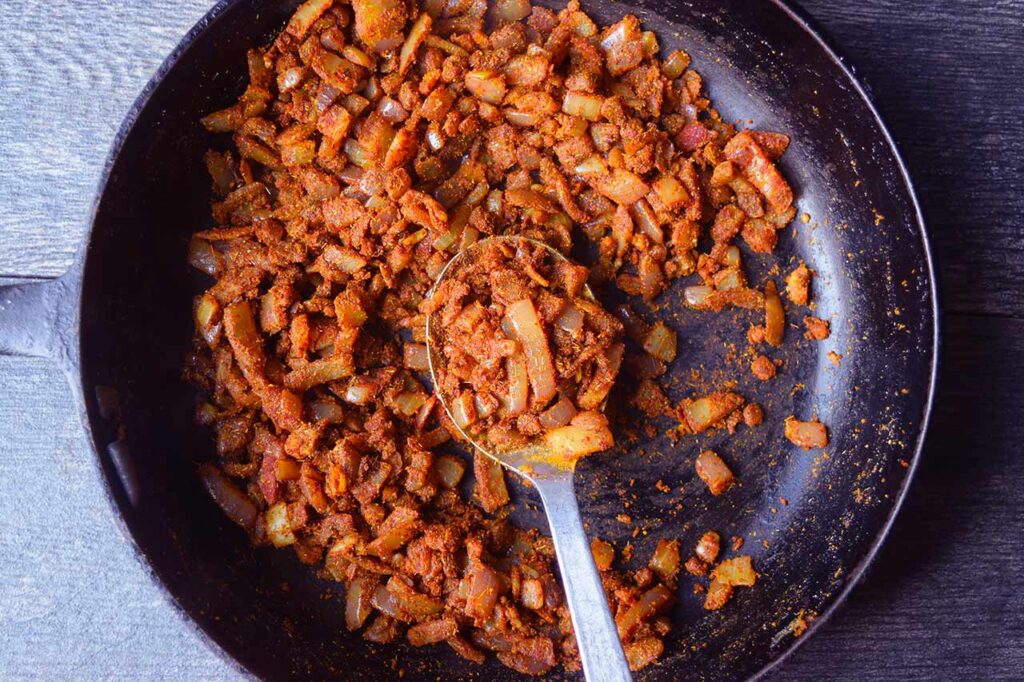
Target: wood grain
(942, 602)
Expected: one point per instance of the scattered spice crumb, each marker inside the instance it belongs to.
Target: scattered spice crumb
(817, 328)
(763, 368)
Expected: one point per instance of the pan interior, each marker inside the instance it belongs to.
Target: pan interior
(808, 519)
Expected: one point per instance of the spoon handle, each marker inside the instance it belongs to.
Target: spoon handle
(596, 633)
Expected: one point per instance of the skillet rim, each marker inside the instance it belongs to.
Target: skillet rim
(118, 498)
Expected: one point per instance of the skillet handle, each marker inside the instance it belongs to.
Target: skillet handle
(30, 318)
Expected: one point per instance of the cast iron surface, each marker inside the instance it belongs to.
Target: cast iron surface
(874, 282)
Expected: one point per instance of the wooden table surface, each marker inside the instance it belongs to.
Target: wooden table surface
(945, 599)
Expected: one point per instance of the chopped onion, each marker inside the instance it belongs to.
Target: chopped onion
(647, 220)
(661, 343)
(344, 258)
(415, 357)
(586, 434)
(463, 410)
(623, 187)
(484, 408)
(204, 257)
(328, 410)
(703, 413)
(486, 85)
(417, 34)
(671, 192)
(208, 318)
(360, 391)
(698, 296)
(591, 166)
(649, 41)
(484, 588)
(234, 503)
(412, 602)
(444, 45)
(807, 435)
(774, 315)
(665, 561)
(357, 56)
(714, 472)
(279, 530)
(319, 372)
(305, 16)
(732, 257)
(522, 118)
(358, 606)
(386, 603)
(729, 279)
(523, 324)
(356, 154)
(435, 139)
(409, 403)
(571, 319)
(518, 384)
(651, 602)
(604, 554)
(391, 110)
(737, 572)
(449, 470)
(287, 469)
(431, 439)
(642, 652)
(425, 411)
(676, 63)
(507, 11)
(582, 104)
(560, 414)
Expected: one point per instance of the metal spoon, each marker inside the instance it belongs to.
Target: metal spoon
(596, 634)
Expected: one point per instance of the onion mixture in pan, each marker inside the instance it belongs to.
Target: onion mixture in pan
(377, 138)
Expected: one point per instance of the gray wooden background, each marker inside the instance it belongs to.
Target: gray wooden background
(945, 598)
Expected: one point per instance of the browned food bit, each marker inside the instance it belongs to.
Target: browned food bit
(379, 23)
(752, 414)
(708, 547)
(695, 566)
(665, 561)
(643, 652)
(774, 315)
(798, 285)
(714, 472)
(737, 572)
(717, 595)
(604, 554)
(807, 435)
(763, 368)
(817, 328)
(490, 482)
(432, 631)
(704, 413)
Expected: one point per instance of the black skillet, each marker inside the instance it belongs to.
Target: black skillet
(119, 323)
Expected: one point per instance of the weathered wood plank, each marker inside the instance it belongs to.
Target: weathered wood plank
(69, 72)
(942, 602)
